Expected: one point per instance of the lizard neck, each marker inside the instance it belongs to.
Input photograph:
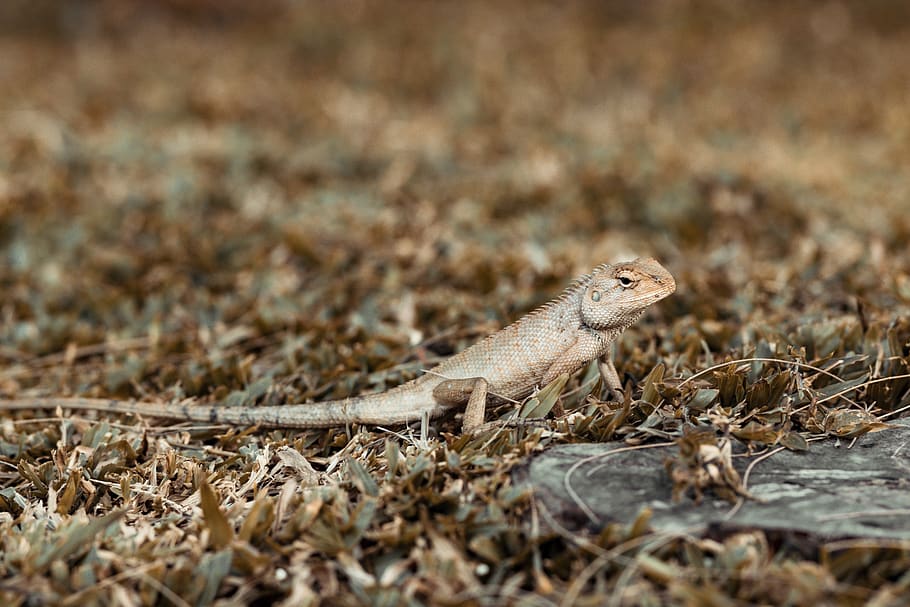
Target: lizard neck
(611, 333)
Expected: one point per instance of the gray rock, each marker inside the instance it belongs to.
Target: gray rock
(827, 492)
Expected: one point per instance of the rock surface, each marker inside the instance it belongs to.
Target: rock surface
(827, 492)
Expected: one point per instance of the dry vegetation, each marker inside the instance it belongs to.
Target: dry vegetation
(282, 203)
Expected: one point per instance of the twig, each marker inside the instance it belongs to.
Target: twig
(895, 412)
(864, 385)
(741, 500)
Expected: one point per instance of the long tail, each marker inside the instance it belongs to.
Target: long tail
(396, 406)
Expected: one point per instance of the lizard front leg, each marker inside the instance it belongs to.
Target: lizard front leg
(457, 392)
(588, 345)
(610, 376)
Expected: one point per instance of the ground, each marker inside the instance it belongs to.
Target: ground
(278, 202)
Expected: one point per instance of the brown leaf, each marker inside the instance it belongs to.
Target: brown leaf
(847, 423)
(794, 441)
(220, 532)
(756, 432)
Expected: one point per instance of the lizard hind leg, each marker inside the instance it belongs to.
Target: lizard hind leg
(457, 392)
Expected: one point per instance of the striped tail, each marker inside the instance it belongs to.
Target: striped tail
(397, 406)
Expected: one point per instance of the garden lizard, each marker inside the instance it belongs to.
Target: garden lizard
(559, 337)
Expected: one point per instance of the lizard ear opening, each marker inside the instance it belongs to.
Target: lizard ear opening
(596, 307)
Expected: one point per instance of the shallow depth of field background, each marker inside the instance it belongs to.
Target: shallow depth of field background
(272, 202)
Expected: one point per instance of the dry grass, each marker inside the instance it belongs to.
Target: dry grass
(262, 206)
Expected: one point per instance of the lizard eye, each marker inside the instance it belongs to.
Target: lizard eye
(595, 296)
(625, 282)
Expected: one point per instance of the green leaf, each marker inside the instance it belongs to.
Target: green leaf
(213, 568)
(542, 402)
(843, 385)
(703, 398)
(363, 518)
(78, 537)
(361, 478)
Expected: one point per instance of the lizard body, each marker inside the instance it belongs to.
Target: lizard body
(559, 337)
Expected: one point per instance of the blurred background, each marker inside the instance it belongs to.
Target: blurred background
(202, 170)
(276, 201)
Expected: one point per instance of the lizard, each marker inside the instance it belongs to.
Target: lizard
(559, 337)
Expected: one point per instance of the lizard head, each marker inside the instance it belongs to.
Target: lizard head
(619, 293)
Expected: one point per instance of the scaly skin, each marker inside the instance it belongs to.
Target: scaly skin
(559, 337)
